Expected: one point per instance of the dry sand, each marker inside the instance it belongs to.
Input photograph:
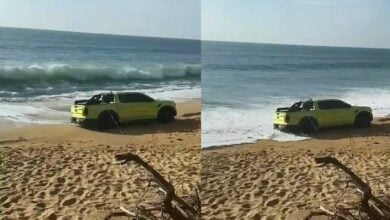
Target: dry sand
(67, 172)
(279, 180)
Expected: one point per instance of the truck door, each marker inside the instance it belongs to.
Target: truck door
(333, 113)
(135, 106)
(346, 114)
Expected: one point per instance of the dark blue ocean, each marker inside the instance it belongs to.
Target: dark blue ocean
(44, 71)
(243, 83)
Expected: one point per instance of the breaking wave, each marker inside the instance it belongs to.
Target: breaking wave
(41, 74)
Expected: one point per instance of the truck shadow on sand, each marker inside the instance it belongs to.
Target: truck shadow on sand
(180, 125)
(381, 129)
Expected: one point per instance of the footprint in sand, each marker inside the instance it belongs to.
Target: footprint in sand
(52, 216)
(214, 206)
(282, 193)
(258, 193)
(41, 205)
(54, 191)
(246, 196)
(272, 202)
(82, 210)
(77, 172)
(69, 202)
(246, 206)
(280, 174)
(79, 192)
(61, 180)
(7, 205)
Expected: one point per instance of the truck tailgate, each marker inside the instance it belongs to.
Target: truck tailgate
(279, 118)
(77, 111)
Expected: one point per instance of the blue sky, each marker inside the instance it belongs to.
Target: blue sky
(355, 23)
(163, 18)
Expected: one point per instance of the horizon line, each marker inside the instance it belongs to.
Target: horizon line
(193, 39)
(293, 44)
(98, 33)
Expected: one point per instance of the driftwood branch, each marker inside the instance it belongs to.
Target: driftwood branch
(173, 205)
(364, 187)
(373, 207)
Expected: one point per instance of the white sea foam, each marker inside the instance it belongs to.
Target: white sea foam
(54, 109)
(225, 126)
(30, 113)
(377, 99)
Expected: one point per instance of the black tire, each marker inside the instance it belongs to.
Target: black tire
(166, 115)
(363, 120)
(106, 120)
(308, 125)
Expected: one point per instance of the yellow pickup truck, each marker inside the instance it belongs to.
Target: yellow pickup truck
(110, 109)
(310, 116)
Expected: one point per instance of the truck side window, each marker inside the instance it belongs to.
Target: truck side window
(341, 104)
(134, 97)
(325, 105)
(333, 104)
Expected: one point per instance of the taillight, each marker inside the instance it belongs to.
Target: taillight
(287, 118)
(85, 111)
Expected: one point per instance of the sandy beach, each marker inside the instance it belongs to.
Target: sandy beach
(67, 172)
(280, 180)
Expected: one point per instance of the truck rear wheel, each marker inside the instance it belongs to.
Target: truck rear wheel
(362, 120)
(106, 120)
(166, 115)
(308, 125)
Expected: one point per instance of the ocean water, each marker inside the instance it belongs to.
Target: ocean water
(243, 84)
(42, 72)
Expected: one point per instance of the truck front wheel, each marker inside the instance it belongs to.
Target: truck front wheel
(166, 115)
(362, 120)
